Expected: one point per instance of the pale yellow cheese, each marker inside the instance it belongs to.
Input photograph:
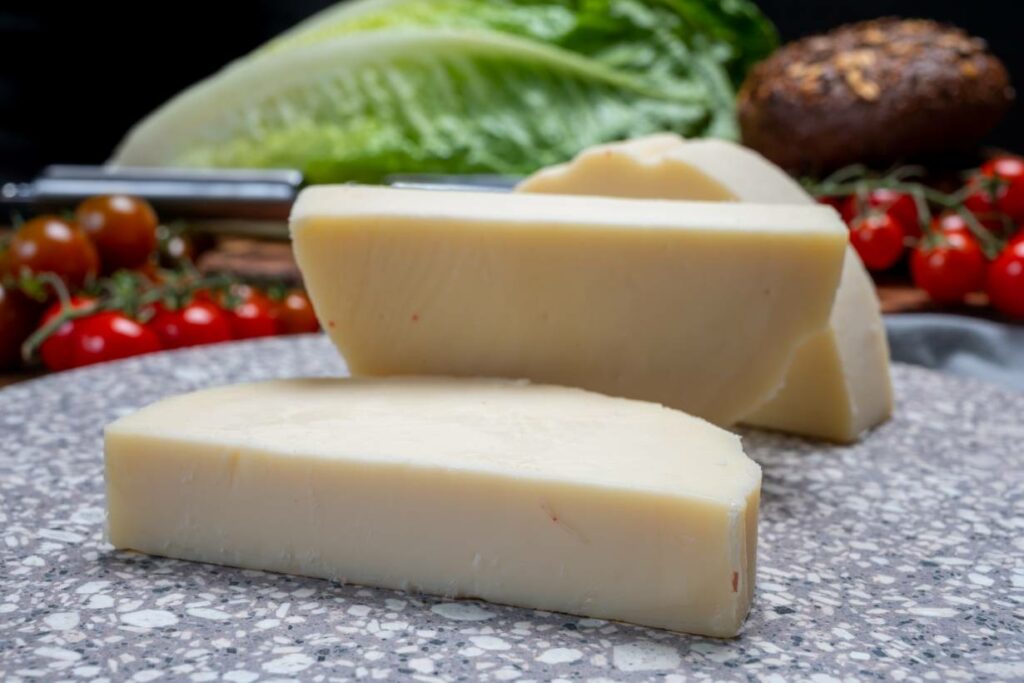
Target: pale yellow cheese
(837, 385)
(538, 496)
(639, 168)
(695, 305)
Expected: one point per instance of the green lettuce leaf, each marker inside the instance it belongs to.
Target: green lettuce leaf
(601, 29)
(374, 87)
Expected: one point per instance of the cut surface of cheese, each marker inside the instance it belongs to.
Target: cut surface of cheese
(538, 496)
(837, 385)
(695, 305)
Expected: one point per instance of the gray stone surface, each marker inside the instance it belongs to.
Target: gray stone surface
(901, 558)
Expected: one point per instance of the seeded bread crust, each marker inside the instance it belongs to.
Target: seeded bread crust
(879, 91)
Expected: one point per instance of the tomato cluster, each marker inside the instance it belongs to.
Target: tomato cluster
(975, 243)
(91, 289)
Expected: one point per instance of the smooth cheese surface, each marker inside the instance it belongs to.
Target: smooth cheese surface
(633, 168)
(539, 496)
(695, 305)
(837, 385)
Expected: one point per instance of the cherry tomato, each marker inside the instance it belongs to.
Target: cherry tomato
(56, 350)
(199, 322)
(123, 229)
(176, 249)
(950, 222)
(51, 244)
(251, 316)
(953, 221)
(110, 335)
(294, 314)
(836, 203)
(899, 205)
(18, 316)
(980, 201)
(878, 240)
(206, 295)
(1005, 283)
(1009, 196)
(949, 271)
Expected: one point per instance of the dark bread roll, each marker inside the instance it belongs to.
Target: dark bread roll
(875, 92)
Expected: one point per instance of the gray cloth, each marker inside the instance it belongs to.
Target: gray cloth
(983, 349)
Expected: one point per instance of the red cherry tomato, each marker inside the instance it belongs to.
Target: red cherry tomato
(294, 314)
(252, 316)
(199, 322)
(18, 316)
(109, 336)
(950, 222)
(949, 271)
(175, 250)
(836, 203)
(205, 295)
(878, 240)
(56, 350)
(1009, 196)
(123, 229)
(1005, 283)
(49, 244)
(899, 205)
(980, 201)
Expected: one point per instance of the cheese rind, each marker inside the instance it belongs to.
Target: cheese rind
(544, 497)
(837, 385)
(695, 305)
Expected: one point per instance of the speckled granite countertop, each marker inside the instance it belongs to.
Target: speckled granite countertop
(901, 558)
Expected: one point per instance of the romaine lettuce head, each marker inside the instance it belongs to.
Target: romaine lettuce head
(374, 87)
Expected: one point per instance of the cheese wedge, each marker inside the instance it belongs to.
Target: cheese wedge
(538, 496)
(837, 385)
(697, 306)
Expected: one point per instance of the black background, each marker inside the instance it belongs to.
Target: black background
(75, 75)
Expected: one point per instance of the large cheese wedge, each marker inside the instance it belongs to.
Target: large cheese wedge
(837, 385)
(538, 496)
(698, 306)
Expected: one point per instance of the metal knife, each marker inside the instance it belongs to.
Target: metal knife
(251, 202)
